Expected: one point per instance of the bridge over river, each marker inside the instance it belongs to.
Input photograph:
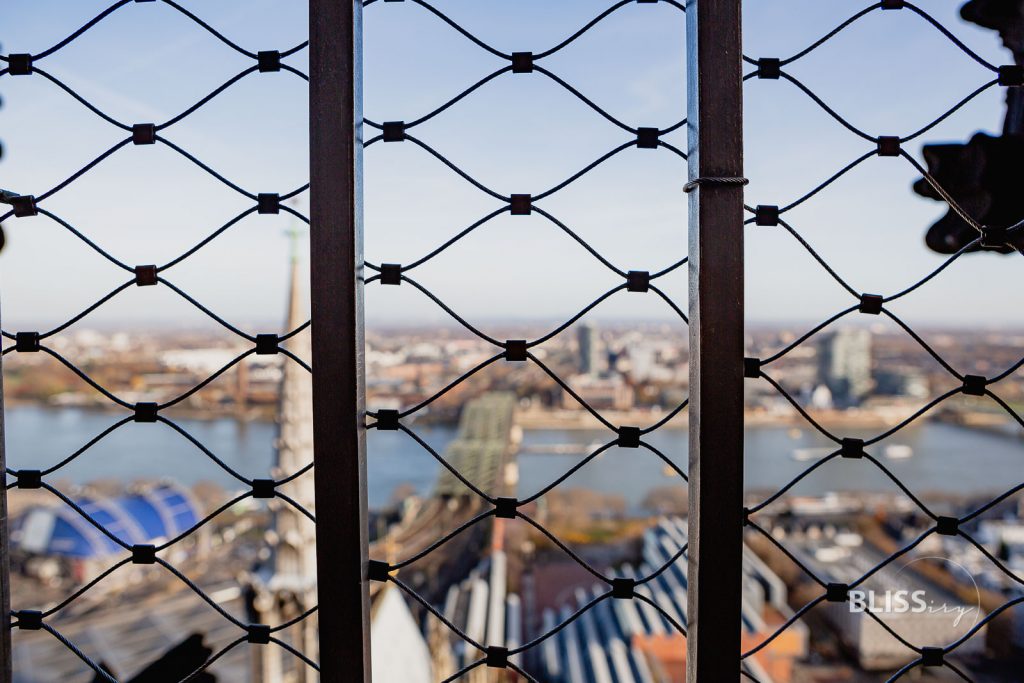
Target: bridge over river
(483, 452)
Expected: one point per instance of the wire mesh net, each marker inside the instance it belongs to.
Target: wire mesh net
(867, 451)
(93, 518)
(490, 504)
(480, 500)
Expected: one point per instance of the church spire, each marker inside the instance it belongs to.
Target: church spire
(296, 554)
(287, 588)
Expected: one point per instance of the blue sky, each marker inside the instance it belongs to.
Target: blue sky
(889, 74)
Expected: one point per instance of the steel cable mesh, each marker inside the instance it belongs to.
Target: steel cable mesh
(513, 350)
(519, 350)
(875, 304)
(27, 205)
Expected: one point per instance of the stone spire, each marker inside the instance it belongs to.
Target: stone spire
(286, 587)
(295, 555)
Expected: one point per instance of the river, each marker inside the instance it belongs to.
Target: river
(946, 458)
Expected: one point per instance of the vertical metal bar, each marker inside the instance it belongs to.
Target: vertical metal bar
(336, 268)
(6, 670)
(715, 100)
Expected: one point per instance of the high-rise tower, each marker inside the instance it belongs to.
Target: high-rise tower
(844, 365)
(589, 349)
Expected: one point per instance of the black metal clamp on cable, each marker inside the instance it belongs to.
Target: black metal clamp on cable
(634, 281)
(24, 205)
(518, 351)
(938, 186)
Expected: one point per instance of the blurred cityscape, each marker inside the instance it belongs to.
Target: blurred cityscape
(850, 375)
(840, 570)
(511, 430)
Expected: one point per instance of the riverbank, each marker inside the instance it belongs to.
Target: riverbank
(936, 456)
(876, 418)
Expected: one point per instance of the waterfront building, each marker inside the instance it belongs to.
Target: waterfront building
(589, 344)
(600, 393)
(844, 365)
(55, 541)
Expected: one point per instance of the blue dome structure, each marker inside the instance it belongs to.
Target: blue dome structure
(149, 515)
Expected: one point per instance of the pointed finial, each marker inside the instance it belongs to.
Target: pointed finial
(293, 234)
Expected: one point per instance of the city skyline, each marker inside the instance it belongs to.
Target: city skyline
(515, 457)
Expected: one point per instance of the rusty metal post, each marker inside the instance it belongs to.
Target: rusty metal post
(336, 267)
(6, 665)
(715, 100)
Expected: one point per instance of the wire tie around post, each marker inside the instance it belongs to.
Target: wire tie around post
(696, 182)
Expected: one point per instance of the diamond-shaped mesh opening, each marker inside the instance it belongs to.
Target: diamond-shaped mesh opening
(477, 503)
(127, 547)
(774, 529)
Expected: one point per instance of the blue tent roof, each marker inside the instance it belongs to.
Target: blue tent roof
(148, 516)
